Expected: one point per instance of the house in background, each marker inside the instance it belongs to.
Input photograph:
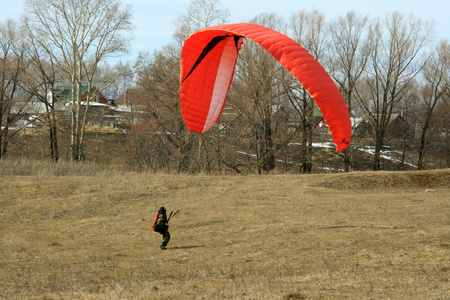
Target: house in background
(397, 126)
(103, 113)
(27, 114)
(64, 93)
(316, 121)
(101, 110)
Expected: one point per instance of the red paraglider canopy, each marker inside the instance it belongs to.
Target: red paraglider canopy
(208, 59)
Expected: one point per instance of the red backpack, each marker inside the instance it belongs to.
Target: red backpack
(156, 227)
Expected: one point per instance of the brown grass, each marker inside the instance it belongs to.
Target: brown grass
(370, 235)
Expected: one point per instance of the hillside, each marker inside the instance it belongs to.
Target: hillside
(83, 234)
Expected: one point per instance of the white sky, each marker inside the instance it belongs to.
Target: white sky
(154, 19)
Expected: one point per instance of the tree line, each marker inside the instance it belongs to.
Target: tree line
(59, 42)
(384, 67)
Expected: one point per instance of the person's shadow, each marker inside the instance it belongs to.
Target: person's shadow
(185, 247)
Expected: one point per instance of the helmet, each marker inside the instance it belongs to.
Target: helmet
(162, 210)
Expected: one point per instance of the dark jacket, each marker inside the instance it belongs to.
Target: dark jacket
(162, 221)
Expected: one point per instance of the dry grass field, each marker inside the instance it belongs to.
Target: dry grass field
(368, 235)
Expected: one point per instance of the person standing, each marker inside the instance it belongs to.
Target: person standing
(161, 225)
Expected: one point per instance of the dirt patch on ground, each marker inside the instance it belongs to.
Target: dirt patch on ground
(432, 179)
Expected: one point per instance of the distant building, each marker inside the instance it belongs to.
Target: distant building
(396, 127)
(64, 93)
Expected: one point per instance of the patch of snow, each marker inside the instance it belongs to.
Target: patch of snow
(384, 154)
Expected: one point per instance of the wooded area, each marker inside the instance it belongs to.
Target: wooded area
(392, 72)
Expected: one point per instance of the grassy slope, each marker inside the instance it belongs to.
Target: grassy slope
(364, 235)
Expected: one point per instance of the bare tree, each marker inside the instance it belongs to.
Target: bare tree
(200, 14)
(165, 143)
(310, 30)
(436, 89)
(161, 144)
(12, 73)
(396, 59)
(44, 75)
(256, 94)
(80, 33)
(351, 44)
(124, 80)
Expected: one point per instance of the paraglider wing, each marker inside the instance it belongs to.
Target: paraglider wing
(208, 59)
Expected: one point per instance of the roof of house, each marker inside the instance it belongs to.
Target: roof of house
(28, 108)
(66, 91)
(370, 118)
